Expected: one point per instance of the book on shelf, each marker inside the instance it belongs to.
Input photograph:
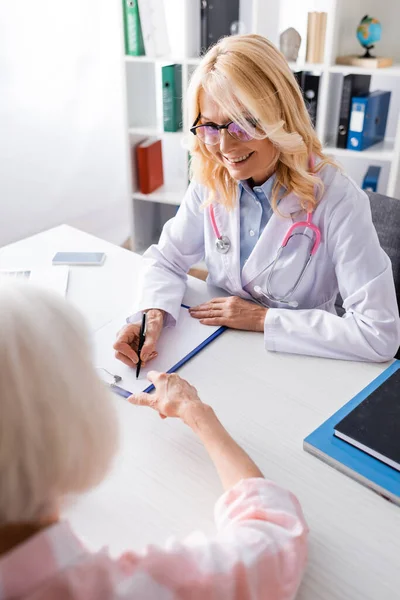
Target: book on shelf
(316, 32)
(309, 85)
(322, 22)
(149, 164)
(353, 85)
(368, 63)
(218, 18)
(154, 28)
(371, 178)
(132, 29)
(172, 97)
(183, 27)
(368, 120)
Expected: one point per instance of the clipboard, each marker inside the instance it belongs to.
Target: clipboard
(176, 347)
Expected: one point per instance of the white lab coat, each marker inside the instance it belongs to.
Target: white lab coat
(349, 260)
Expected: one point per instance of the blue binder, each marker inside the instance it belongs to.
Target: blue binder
(348, 459)
(368, 119)
(371, 177)
(125, 393)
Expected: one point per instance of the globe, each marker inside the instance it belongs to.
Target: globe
(368, 32)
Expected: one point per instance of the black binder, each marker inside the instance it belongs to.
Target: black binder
(217, 17)
(309, 85)
(353, 85)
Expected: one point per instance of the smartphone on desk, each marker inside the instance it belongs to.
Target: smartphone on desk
(79, 258)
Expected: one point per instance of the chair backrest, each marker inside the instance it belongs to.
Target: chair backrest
(386, 218)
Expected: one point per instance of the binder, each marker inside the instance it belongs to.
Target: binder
(368, 120)
(172, 97)
(154, 27)
(217, 18)
(183, 16)
(299, 78)
(309, 85)
(132, 29)
(149, 165)
(370, 181)
(176, 347)
(353, 85)
(350, 460)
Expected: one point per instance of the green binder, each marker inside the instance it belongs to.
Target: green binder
(133, 32)
(172, 97)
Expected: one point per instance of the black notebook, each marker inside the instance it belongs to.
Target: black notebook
(374, 425)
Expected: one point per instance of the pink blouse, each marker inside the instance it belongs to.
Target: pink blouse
(259, 552)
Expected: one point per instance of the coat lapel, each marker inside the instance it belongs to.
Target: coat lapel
(229, 225)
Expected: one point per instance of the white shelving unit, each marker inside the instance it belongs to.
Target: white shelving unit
(269, 18)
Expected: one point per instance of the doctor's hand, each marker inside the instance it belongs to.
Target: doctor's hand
(173, 396)
(127, 342)
(233, 312)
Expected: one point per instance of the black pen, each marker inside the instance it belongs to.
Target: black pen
(142, 337)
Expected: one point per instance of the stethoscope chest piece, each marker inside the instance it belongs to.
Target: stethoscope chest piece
(223, 244)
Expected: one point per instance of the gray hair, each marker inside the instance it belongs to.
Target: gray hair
(58, 428)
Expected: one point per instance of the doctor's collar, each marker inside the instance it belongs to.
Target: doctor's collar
(266, 187)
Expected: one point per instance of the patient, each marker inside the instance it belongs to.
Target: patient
(58, 435)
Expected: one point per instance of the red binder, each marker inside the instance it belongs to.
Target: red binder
(149, 165)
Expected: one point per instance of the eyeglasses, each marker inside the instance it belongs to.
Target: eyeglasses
(210, 133)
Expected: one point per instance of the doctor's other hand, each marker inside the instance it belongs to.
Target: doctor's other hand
(233, 312)
(173, 396)
(127, 342)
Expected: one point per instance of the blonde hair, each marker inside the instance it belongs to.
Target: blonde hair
(247, 76)
(58, 429)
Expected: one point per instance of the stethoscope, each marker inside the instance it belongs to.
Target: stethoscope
(223, 245)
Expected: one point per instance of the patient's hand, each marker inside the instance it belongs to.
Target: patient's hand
(173, 396)
(127, 341)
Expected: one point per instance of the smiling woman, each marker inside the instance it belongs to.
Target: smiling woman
(280, 226)
(245, 156)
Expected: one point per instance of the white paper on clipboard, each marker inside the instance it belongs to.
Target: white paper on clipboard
(175, 346)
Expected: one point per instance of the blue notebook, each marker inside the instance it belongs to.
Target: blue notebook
(347, 458)
(176, 346)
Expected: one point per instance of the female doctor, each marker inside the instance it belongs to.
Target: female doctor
(281, 227)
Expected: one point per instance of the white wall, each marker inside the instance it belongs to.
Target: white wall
(62, 125)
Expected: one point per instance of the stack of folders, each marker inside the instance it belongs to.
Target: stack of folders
(362, 114)
(181, 28)
(54, 278)
(362, 439)
(316, 32)
(162, 28)
(353, 85)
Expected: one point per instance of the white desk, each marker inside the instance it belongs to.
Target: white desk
(163, 482)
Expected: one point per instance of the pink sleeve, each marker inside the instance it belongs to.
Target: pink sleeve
(259, 552)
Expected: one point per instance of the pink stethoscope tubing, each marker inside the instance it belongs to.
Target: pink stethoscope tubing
(288, 235)
(223, 246)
